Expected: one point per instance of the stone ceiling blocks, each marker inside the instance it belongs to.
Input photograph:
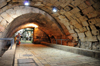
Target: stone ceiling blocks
(82, 6)
(7, 17)
(2, 3)
(12, 13)
(88, 10)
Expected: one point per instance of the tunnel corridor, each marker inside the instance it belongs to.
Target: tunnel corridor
(68, 25)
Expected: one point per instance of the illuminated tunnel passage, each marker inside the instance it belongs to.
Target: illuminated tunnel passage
(74, 23)
(47, 56)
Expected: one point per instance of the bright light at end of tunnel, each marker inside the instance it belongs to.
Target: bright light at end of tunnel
(26, 3)
(32, 25)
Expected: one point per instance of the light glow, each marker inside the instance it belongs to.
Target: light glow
(32, 25)
(54, 9)
(26, 3)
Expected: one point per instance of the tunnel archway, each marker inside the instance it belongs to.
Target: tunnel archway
(77, 19)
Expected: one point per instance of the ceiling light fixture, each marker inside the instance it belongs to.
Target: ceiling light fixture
(54, 9)
(26, 3)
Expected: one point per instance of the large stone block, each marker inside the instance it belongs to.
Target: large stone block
(81, 35)
(83, 18)
(84, 23)
(75, 10)
(93, 14)
(95, 32)
(7, 17)
(83, 29)
(88, 34)
(93, 27)
(78, 14)
(12, 13)
(88, 10)
(3, 3)
(25, 10)
(97, 5)
(71, 31)
(77, 2)
(3, 23)
(92, 38)
(92, 21)
(82, 6)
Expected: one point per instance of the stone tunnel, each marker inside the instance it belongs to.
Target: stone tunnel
(78, 21)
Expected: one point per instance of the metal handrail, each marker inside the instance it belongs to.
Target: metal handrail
(11, 39)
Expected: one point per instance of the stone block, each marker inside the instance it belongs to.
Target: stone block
(74, 35)
(76, 2)
(83, 29)
(82, 6)
(71, 31)
(1, 29)
(3, 3)
(12, 13)
(88, 34)
(93, 14)
(98, 37)
(84, 23)
(62, 11)
(67, 8)
(92, 21)
(77, 30)
(1, 18)
(91, 38)
(97, 5)
(93, 27)
(3, 23)
(83, 18)
(25, 10)
(89, 2)
(81, 35)
(75, 10)
(95, 32)
(78, 25)
(73, 22)
(78, 14)
(88, 10)
(97, 20)
(7, 17)
(38, 4)
(41, 12)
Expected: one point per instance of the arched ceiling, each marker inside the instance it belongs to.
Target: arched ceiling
(81, 18)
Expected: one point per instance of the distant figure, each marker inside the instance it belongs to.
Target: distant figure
(18, 39)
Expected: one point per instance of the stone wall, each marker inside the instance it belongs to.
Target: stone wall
(39, 36)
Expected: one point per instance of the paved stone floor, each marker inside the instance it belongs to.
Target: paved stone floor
(40, 55)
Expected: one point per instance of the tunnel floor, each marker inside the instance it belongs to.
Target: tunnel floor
(40, 55)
